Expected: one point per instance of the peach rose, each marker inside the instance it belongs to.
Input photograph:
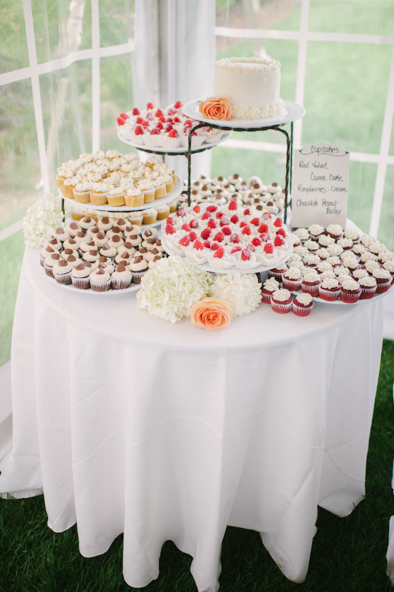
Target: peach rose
(216, 108)
(212, 314)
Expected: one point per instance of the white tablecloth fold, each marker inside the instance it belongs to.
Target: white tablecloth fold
(133, 425)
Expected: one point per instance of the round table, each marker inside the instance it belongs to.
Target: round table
(130, 424)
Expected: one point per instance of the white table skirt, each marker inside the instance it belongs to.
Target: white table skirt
(133, 425)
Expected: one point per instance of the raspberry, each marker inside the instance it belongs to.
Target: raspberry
(177, 120)
(162, 119)
(278, 223)
(256, 241)
(224, 221)
(173, 133)
(234, 238)
(170, 120)
(255, 221)
(262, 228)
(236, 250)
(205, 216)
(234, 219)
(185, 241)
(170, 229)
(243, 224)
(150, 106)
(279, 241)
(232, 205)
(266, 216)
(206, 233)
(138, 130)
(282, 232)
(136, 111)
(124, 116)
(171, 111)
(226, 230)
(145, 124)
(246, 212)
(170, 220)
(159, 113)
(265, 237)
(246, 230)
(159, 125)
(219, 253)
(155, 131)
(211, 223)
(207, 244)
(219, 236)
(219, 214)
(193, 236)
(168, 127)
(214, 246)
(188, 122)
(250, 247)
(212, 208)
(268, 248)
(193, 223)
(120, 121)
(197, 209)
(186, 227)
(139, 120)
(178, 105)
(150, 116)
(198, 245)
(245, 255)
(181, 212)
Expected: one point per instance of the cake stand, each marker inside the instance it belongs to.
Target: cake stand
(293, 112)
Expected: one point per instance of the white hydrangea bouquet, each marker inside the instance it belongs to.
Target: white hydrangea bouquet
(41, 219)
(171, 289)
(175, 287)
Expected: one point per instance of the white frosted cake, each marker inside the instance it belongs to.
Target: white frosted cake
(252, 85)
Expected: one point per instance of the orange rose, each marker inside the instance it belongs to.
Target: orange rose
(212, 314)
(216, 108)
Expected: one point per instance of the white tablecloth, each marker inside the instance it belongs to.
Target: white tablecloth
(133, 425)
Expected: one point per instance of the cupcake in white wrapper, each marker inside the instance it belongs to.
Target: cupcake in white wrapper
(121, 278)
(100, 280)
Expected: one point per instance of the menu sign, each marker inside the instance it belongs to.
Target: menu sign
(320, 185)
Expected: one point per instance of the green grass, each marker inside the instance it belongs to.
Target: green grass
(348, 554)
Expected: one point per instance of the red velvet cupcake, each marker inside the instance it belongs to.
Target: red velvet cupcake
(268, 289)
(292, 279)
(329, 290)
(310, 283)
(350, 291)
(302, 305)
(383, 280)
(368, 287)
(281, 301)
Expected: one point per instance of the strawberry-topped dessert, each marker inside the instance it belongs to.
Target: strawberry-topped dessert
(216, 235)
(164, 121)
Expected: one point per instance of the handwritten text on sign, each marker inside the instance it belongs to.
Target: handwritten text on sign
(320, 185)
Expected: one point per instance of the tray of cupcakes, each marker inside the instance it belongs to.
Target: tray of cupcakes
(117, 182)
(332, 266)
(106, 256)
(250, 191)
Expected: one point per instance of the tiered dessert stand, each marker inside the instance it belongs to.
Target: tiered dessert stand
(294, 112)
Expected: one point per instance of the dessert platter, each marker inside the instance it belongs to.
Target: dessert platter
(334, 266)
(104, 257)
(227, 238)
(248, 192)
(112, 181)
(165, 130)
